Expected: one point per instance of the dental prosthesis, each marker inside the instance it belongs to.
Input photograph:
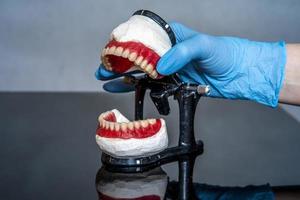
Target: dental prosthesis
(138, 44)
(119, 137)
(150, 185)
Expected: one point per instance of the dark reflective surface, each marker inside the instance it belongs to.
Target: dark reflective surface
(154, 185)
(48, 148)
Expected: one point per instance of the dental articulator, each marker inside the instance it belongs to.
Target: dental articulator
(141, 145)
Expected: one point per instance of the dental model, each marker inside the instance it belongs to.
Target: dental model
(138, 44)
(119, 137)
(149, 185)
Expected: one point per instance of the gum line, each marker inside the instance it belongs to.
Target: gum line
(141, 132)
(142, 53)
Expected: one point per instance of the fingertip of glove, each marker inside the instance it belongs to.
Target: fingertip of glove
(97, 74)
(102, 74)
(161, 68)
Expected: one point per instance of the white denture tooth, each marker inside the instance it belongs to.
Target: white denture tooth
(144, 123)
(105, 124)
(111, 50)
(105, 59)
(143, 64)
(102, 124)
(138, 60)
(119, 51)
(111, 126)
(107, 66)
(123, 126)
(117, 126)
(149, 68)
(154, 74)
(137, 124)
(130, 125)
(104, 64)
(125, 53)
(151, 121)
(100, 117)
(106, 50)
(103, 52)
(132, 56)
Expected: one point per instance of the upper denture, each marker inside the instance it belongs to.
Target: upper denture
(121, 56)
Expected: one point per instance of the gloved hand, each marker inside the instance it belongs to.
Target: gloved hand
(234, 68)
(115, 86)
(103, 74)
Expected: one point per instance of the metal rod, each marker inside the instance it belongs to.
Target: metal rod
(186, 167)
(187, 100)
(139, 101)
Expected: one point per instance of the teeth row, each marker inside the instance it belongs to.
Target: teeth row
(133, 57)
(124, 126)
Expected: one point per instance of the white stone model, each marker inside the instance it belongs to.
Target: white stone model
(136, 44)
(119, 137)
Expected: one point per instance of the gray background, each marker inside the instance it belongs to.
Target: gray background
(55, 45)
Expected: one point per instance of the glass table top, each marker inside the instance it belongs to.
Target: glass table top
(48, 148)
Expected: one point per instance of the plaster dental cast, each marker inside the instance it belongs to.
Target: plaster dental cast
(136, 44)
(117, 136)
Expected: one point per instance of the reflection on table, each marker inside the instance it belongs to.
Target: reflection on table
(155, 185)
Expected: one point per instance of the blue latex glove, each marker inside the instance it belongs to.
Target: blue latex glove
(114, 86)
(209, 192)
(118, 86)
(234, 68)
(103, 74)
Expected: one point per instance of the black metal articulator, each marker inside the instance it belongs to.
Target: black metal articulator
(187, 96)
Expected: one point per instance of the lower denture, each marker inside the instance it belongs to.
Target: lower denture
(143, 131)
(120, 64)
